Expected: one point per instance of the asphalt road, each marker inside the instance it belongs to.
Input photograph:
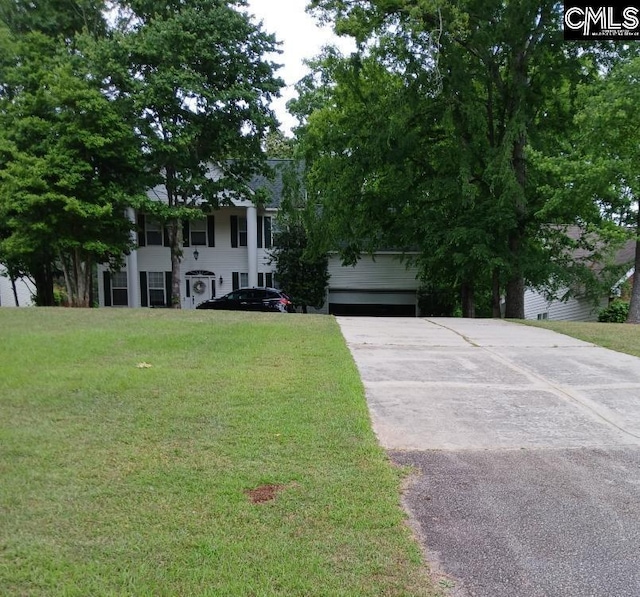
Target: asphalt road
(526, 451)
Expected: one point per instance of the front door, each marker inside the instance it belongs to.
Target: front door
(199, 287)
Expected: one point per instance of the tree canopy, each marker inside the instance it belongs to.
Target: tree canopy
(70, 162)
(202, 107)
(99, 102)
(429, 138)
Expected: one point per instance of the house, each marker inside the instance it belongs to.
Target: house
(538, 305)
(231, 248)
(15, 293)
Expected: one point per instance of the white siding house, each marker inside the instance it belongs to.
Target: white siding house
(230, 248)
(225, 250)
(538, 306)
(24, 291)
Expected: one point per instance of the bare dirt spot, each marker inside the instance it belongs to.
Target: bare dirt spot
(263, 493)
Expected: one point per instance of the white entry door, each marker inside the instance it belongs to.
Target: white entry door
(198, 288)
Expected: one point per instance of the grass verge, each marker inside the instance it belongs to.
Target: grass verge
(131, 442)
(622, 337)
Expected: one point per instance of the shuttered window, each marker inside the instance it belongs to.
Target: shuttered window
(157, 290)
(119, 294)
(198, 232)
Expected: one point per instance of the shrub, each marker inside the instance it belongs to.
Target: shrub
(616, 312)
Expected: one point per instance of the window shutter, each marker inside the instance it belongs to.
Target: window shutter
(267, 233)
(234, 231)
(142, 239)
(106, 276)
(269, 280)
(186, 229)
(211, 231)
(144, 295)
(260, 219)
(167, 285)
(165, 237)
(187, 284)
(235, 281)
(260, 279)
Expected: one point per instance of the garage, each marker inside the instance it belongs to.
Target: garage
(372, 303)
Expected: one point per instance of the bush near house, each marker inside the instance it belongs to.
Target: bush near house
(616, 312)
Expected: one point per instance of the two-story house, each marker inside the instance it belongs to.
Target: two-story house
(231, 248)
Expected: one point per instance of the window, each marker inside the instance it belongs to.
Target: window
(543, 316)
(156, 289)
(239, 280)
(242, 232)
(153, 232)
(265, 279)
(238, 231)
(198, 232)
(264, 232)
(119, 295)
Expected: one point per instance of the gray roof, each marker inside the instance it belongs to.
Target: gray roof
(274, 186)
(623, 255)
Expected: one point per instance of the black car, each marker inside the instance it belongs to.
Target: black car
(251, 299)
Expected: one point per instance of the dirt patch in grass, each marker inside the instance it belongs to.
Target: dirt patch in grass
(264, 493)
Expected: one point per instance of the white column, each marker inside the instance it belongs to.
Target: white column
(133, 282)
(252, 245)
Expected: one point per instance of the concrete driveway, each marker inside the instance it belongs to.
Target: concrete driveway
(526, 445)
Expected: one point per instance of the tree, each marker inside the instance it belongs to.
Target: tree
(69, 168)
(302, 268)
(607, 154)
(277, 145)
(424, 138)
(300, 273)
(200, 89)
(69, 163)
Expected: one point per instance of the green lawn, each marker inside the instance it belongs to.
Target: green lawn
(130, 442)
(622, 337)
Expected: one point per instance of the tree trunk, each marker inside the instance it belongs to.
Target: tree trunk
(634, 304)
(467, 296)
(43, 279)
(496, 312)
(15, 291)
(175, 240)
(515, 284)
(515, 298)
(76, 268)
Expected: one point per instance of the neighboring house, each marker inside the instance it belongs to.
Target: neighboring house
(538, 306)
(231, 248)
(21, 288)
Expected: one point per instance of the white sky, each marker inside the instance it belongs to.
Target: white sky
(301, 38)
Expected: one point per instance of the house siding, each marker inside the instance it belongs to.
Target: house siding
(24, 288)
(384, 272)
(383, 280)
(222, 259)
(574, 309)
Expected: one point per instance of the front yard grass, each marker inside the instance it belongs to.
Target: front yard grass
(131, 442)
(621, 337)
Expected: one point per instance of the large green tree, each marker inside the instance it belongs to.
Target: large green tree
(69, 163)
(200, 87)
(426, 138)
(302, 265)
(606, 158)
